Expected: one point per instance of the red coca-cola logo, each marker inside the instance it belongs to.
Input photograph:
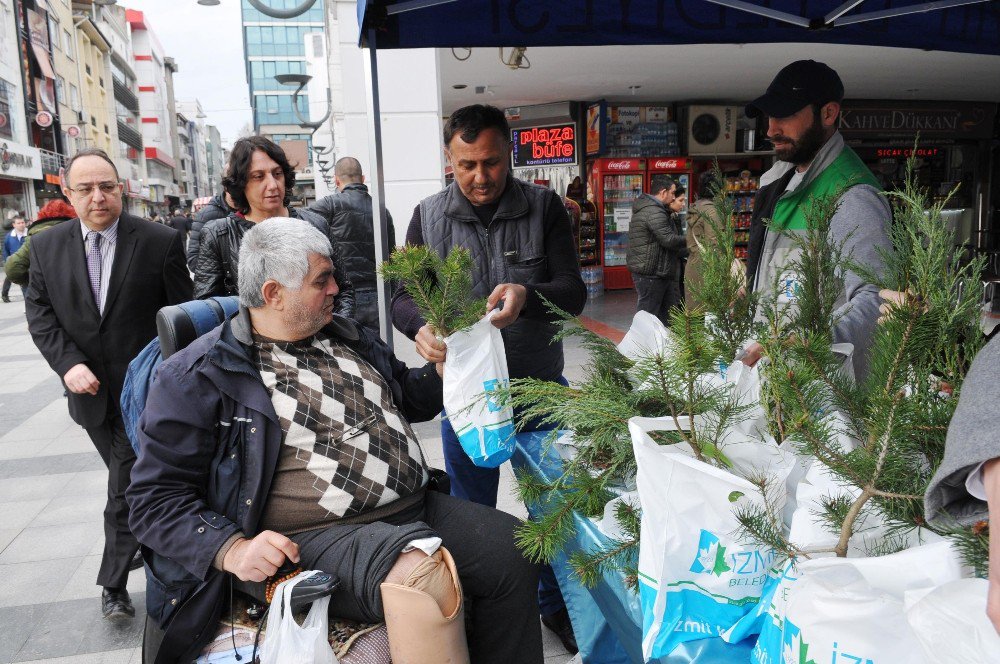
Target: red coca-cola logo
(667, 163)
(620, 165)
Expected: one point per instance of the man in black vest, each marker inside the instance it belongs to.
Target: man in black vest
(522, 250)
(349, 216)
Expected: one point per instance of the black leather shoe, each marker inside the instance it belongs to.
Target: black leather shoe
(117, 606)
(136, 562)
(559, 623)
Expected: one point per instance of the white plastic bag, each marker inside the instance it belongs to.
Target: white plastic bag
(858, 612)
(476, 364)
(696, 579)
(288, 643)
(834, 615)
(951, 624)
(647, 336)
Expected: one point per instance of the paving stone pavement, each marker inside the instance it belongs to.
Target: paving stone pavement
(52, 494)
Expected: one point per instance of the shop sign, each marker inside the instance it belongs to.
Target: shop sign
(627, 115)
(657, 114)
(595, 118)
(552, 145)
(43, 119)
(20, 161)
(939, 120)
(906, 153)
(669, 164)
(72, 131)
(623, 165)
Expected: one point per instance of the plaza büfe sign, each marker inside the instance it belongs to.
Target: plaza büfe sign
(552, 145)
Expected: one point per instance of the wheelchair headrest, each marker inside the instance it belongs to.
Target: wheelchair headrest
(180, 324)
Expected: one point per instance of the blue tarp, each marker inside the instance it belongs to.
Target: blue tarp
(607, 618)
(971, 28)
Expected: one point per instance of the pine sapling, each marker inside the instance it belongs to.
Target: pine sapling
(441, 288)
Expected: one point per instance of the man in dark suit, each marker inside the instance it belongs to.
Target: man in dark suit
(96, 283)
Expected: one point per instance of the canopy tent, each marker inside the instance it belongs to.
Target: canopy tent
(961, 26)
(965, 26)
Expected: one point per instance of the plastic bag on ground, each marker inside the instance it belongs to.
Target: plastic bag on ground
(288, 643)
(950, 623)
(476, 364)
(696, 579)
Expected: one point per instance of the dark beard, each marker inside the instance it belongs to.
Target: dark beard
(804, 150)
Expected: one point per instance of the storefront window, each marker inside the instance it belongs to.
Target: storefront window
(13, 197)
(6, 118)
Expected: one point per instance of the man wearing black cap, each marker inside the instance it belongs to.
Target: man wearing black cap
(802, 107)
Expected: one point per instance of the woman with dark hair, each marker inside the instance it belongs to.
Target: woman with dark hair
(259, 181)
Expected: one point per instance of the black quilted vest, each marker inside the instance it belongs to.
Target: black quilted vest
(510, 250)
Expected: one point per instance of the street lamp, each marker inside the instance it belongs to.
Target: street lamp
(281, 13)
(303, 80)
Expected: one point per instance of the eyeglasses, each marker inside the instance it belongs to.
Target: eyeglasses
(107, 188)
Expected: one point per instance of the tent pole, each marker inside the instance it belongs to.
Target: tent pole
(377, 189)
(904, 10)
(840, 11)
(751, 8)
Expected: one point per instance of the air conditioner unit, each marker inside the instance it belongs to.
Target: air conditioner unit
(84, 118)
(711, 129)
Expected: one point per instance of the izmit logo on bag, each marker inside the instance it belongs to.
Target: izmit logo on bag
(793, 649)
(492, 386)
(711, 556)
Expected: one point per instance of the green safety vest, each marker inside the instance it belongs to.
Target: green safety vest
(846, 171)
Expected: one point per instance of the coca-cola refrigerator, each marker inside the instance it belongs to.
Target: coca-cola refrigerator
(680, 169)
(616, 183)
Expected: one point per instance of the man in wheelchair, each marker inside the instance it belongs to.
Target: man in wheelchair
(284, 434)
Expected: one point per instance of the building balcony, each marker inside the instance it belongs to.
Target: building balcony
(52, 161)
(129, 136)
(125, 96)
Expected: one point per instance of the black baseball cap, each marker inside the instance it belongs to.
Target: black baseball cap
(796, 86)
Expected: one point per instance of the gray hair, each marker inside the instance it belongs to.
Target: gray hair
(277, 248)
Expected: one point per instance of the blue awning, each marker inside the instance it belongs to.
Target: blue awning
(962, 26)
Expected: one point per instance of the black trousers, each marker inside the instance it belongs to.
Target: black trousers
(657, 295)
(499, 584)
(120, 545)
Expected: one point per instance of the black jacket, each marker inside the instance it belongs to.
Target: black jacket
(349, 216)
(655, 241)
(216, 209)
(204, 471)
(148, 273)
(351, 222)
(215, 270)
(764, 202)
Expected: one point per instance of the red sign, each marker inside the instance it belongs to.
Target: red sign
(623, 165)
(543, 146)
(669, 164)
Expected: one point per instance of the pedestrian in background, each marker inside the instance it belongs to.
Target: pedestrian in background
(655, 247)
(52, 213)
(13, 241)
(352, 226)
(97, 283)
(218, 207)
